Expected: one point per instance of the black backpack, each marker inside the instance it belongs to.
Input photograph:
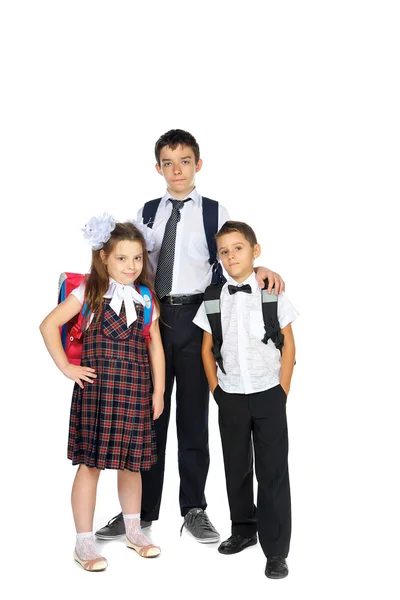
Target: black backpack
(210, 221)
(269, 304)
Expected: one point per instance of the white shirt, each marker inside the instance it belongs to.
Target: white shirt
(251, 366)
(192, 271)
(116, 292)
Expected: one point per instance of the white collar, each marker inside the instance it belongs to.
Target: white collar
(194, 195)
(251, 280)
(126, 293)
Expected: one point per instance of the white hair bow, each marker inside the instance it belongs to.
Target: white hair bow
(98, 230)
(146, 232)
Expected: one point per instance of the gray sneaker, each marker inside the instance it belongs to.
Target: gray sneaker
(115, 528)
(199, 525)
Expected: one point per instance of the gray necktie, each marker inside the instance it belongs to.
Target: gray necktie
(165, 267)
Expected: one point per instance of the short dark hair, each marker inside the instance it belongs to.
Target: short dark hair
(175, 138)
(240, 227)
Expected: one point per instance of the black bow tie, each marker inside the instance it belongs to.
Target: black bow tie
(232, 289)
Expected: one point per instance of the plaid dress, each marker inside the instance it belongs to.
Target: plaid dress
(111, 423)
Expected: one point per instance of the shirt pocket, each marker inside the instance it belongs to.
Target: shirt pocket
(256, 324)
(197, 247)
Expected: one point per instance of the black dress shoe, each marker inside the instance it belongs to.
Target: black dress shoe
(236, 543)
(276, 567)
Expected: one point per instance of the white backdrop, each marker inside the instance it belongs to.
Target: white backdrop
(295, 108)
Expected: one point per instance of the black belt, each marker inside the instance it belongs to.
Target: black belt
(191, 299)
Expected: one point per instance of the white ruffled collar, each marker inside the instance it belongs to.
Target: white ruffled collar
(119, 293)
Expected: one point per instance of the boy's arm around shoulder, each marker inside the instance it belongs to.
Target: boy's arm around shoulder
(50, 330)
(209, 364)
(157, 364)
(288, 358)
(274, 280)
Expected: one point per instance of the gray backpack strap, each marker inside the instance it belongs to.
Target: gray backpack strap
(269, 304)
(212, 303)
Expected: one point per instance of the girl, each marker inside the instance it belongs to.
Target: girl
(111, 423)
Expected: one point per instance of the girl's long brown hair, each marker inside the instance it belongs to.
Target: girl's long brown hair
(98, 281)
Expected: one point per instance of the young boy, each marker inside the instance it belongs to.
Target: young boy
(181, 262)
(250, 386)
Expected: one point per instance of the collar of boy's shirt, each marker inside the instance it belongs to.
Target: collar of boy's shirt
(194, 195)
(124, 293)
(251, 280)
(243, 287)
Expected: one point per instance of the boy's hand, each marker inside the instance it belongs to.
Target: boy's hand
(285, 389)
(274, 279)
(158, 404)
(78, 374)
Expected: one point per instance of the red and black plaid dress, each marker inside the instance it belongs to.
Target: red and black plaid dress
(111, 423)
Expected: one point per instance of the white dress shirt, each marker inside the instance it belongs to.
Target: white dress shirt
(119, 293)
(251, 366)
(192, 271)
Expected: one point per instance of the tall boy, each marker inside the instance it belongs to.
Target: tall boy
(183, 271)
(250, 386)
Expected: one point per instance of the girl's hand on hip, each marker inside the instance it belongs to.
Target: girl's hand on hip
(158, 404)
(79, 374)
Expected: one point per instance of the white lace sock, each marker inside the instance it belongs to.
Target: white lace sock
(134, 532)
(85, 547)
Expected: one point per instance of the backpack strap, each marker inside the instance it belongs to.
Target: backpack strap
(269, 304)
(147, 296)
(210, 221)
(212, 303)
(78, 329)
(149, 212)
(62, 294)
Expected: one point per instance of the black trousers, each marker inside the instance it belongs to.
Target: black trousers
(182, 346)
(259, 421)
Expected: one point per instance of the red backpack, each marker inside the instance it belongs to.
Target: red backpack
(72, 331)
